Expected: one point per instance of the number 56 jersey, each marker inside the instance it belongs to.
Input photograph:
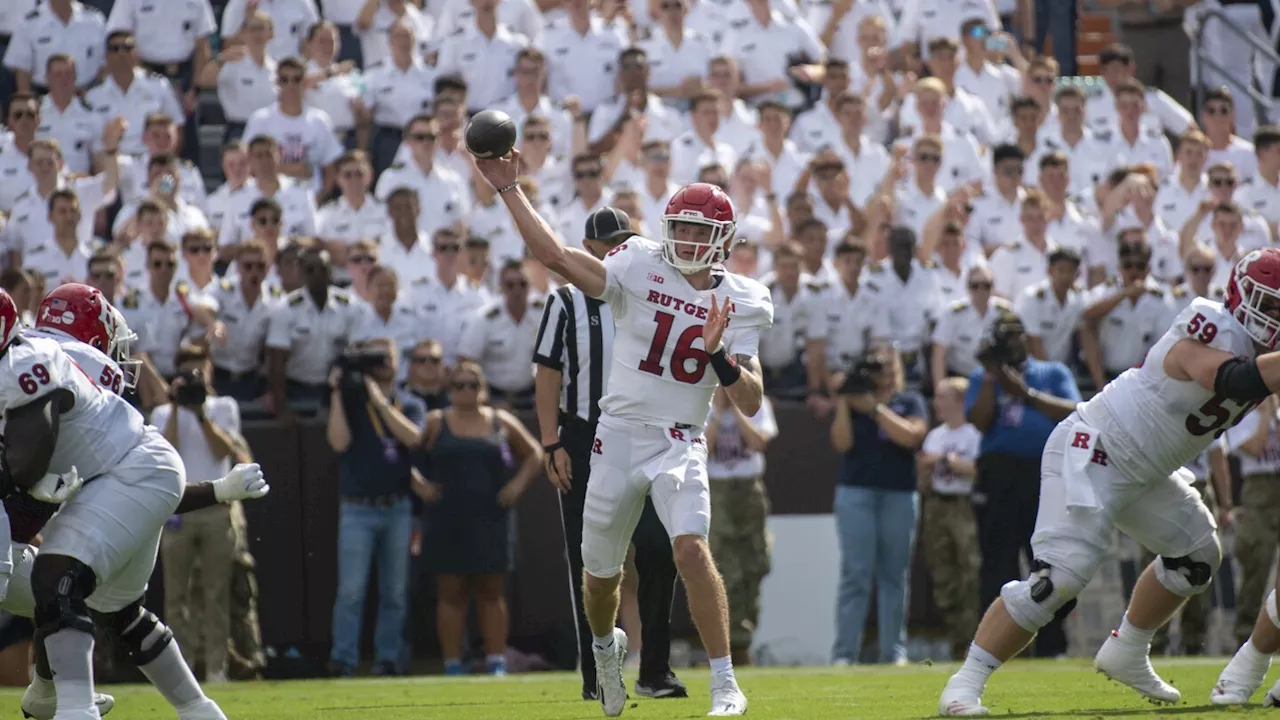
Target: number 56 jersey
(98, 431)
(661, 373)
(1152, 424)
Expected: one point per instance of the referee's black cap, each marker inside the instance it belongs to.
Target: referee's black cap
(608, 225)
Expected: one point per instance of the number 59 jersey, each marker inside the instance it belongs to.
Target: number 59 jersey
(98, 431)
(661, 372)
(1151, 424)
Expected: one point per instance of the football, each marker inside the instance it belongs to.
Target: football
(490, 134)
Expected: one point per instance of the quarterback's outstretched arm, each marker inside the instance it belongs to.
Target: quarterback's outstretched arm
(578, 267)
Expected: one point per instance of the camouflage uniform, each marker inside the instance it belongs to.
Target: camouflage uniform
(950, 543)
(740, 545)
(246, 657)
(1257, 534)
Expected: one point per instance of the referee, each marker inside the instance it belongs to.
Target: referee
(573, 353)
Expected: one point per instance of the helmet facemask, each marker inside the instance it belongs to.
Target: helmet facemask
(122, 339)
(1255, 300)
(708, 251)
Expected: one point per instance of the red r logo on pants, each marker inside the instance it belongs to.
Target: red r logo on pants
(677, 434)
(1081, 441)
(597, 447)
(1099, 458)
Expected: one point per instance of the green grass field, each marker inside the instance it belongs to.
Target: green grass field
(1065, 688)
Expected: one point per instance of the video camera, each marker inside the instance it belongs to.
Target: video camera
(192, 392)
(861, 378)
(1002, 346)
(357, 363)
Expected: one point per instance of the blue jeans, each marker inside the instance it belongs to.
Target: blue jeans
(877, 529)
(1057, 19)
(366, 533)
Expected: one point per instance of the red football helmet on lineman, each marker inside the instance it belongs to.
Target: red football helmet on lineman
(10, 319)
(1253, 295)
(688, 247)
(82, 313)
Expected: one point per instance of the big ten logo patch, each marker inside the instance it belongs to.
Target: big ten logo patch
(1081, 441)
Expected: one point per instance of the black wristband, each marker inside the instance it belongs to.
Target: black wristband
(552, 447)
(726, 369)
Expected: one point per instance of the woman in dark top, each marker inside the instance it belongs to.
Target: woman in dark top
(477, 480)
(876, 505)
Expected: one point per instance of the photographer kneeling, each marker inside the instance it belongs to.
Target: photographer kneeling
(205, 430)
(375, 517)
(1015, 401)
(877, 429)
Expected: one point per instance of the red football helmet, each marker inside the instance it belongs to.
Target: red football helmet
(82, 313)
(699, 204)
(1253, 291)
(10, 319)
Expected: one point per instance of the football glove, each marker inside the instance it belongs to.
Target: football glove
(57, 488)
(244, 482)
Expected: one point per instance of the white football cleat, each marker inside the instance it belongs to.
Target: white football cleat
(610, 687)
(1130, 665)
(1239, 681)
(961, 702)
(727, 699)
(40, 702)
(205, 709)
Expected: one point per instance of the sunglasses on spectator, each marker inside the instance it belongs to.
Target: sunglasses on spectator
(423, 137)
(290, 80)
(1135, 265)
(1222, 182)
(586, 174)
(360, 259)
(268, 220)
(121, 47)
(658, 157)
(198, 249)
(472, 385)
(103, 275)
(633, 66)
(826, 171)
(1012, 171)
(672, 6)
(163, 265)
(538, 136)
(979, 286)
(928, 158)
(24, 114)
(515, 284)
(448, 247)
(1042, 79)
(253, 267)
(1199, 269)
(426, 359)
(1217, 110)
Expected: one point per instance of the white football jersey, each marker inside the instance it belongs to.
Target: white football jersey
(1152, 424)
(101, 369)
(98, 431)
(661, 372)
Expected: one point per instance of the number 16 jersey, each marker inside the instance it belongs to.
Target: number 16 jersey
(1152, 424)
(661, 373)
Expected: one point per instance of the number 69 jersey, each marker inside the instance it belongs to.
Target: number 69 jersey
(661, 373)
(98, 431)
(1152, 424)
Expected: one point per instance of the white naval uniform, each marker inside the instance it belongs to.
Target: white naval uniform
(849, 323)
(961, 328)
(783, 343)
(1054, 322)
(148, 93)
(314, 337)
(338, 220)
(1128, 331)
(246, 327)
(42, 34)
(162, 326)
(444, 199)
(503, 346)
(76, 128)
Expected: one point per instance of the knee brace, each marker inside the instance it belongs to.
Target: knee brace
(1190, 574)
(60, 588)
(138, 631)
(1033, 602)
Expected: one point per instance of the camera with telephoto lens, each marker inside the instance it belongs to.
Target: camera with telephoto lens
(861, 378)
(192, 392)
(357, 363)
(1003, 344)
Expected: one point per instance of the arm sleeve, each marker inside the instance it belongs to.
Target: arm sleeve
(233, 17)
(21, 55)
(33, 377)
(742, 341)
(819, 324)
(616, 264)
(933, 441)
(765, 421)
(1242, 431)
(279, 329)
(160, 415)
(121, 17)
(471, 345)
(548, 351)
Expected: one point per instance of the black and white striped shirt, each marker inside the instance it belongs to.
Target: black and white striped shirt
(576, 338)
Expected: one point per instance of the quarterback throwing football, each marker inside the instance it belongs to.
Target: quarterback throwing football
(1116, 463)
(683, 326)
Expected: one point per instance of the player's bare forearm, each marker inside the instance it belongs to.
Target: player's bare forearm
(576, 266)
(196, 496)
(30, 435)
(748, 392)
